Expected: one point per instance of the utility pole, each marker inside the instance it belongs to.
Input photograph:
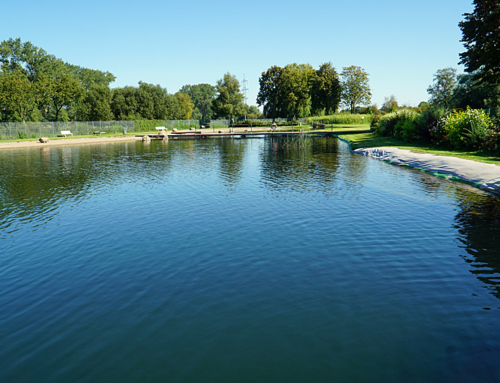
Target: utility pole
(244, 90)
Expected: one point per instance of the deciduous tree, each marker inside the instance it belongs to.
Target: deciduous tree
(270, 94)
(441, 91)
(355, 87)
(325, 94)
(481, 38)
(229, 101)
(185, 105)
(202, 96)
(390, 104)
(297, 80)
(18, 96)
(65, 92)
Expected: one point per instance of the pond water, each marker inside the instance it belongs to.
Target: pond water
(242, 261)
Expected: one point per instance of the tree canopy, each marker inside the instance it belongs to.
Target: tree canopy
(326, 89)
(355, 87)
(441, 91)
(270, 92)
(202, 96)
(481, 39)
(229, 100)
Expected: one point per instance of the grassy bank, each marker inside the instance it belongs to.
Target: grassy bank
(372, 140)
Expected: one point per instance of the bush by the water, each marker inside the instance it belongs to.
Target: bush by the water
(467, 129)
(399, 124)
(427, 125)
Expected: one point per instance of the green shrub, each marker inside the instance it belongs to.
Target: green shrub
(375, 121)
(467, 129)
(427, 125)
(341, 118)
(406, 129)
(394, 124)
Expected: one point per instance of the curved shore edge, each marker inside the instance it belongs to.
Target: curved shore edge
(481, 175)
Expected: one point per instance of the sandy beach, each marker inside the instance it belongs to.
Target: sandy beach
(66, 141)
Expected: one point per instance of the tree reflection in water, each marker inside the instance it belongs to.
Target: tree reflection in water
(478, 225)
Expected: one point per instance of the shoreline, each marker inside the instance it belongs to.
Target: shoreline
(66, 141)
(481, 175)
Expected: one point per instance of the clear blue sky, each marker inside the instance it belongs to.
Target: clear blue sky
(400, 44)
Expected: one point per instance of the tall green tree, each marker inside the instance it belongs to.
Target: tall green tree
(481, 38)
(96, 104)
(18, 96)
(185, 105)
(441, 91)
(355, 87)
(202, 96)
(153, 102)
(124, 103)
(65, 92)
(270, 95)
(297, 80)
(390, 104)
(229, 100)
(326, 89)
(471, 91)
(24, 57)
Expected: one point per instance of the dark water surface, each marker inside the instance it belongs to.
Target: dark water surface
(242, 261)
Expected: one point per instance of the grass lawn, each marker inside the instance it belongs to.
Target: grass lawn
(371, 140)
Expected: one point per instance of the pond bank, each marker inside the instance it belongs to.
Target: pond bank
(482, 175)
(66, 141)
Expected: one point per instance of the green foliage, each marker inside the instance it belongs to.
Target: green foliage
(390, 104)
(481, 38)
(253, 112)
(473, 92)
(467, 129)
(229, 101)
(400, 124)
(375, 121)
(18, 96)
(406, 129)
(341, 118)
(325, 92)
(297, 80)
(423, 106)
(355, 87)
(51, 89)
(428, 125)
(96, 105)
(441, 91)
(202, 96)
(124, 103)
(270, 94)
(185, 105)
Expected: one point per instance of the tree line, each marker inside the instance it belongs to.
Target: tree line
(298, 90)
(37, 86)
